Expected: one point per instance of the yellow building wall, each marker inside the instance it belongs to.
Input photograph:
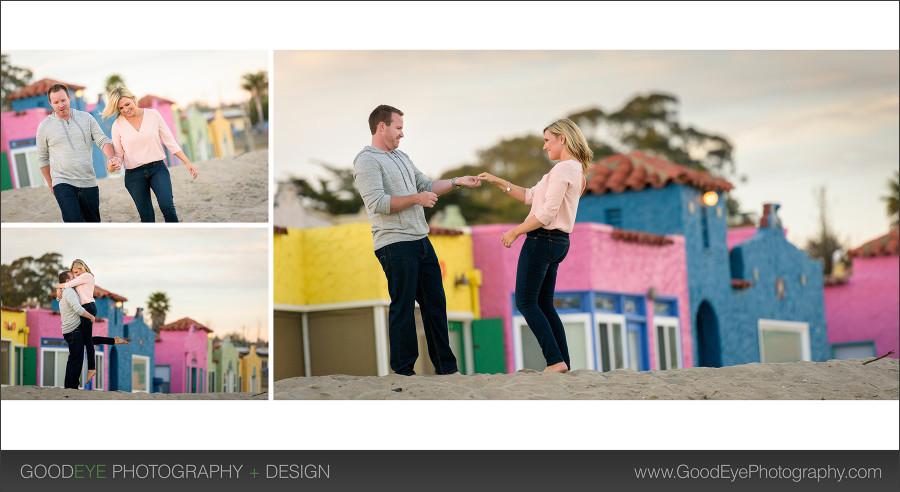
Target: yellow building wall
(220, 134)
(12, 323)
(8, 318)
(337, 265)
(248, 362)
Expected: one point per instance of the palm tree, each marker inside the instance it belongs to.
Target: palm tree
(891, 199)
(113, 81)
(158, 306)
(256, 84)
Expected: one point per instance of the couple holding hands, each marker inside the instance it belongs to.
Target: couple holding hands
(64, 155)
(395, 193)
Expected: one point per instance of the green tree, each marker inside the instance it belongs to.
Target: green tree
(335, 195)
(157, 306)
(890, 200)
(13, 78)
(257, 84)
(30, 277)
(113, 81)
(825, 243)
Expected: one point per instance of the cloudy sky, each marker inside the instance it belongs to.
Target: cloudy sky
(215, 276)
(798, 119)
(212, 77)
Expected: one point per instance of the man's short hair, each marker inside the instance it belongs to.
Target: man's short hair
(383, 113)
(64, 276)
(57, 87)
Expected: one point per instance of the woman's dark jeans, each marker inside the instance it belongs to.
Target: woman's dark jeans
(539, 261)
(87, 337)
(153, 176)
(414, 275)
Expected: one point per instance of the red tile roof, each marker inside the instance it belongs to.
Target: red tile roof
(443, 231)
(737, 283)
(887, 245)
(637, 170)
(640, 237)
(41, 87)
(15, 310)
(100, 293)
(184, 324)
(148, 101)
(280, 230)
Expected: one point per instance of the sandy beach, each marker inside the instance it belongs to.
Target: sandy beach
(832, 380)
(227, 189)
(38, 393)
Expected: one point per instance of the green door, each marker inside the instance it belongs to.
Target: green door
(29, 366)
(488, 347)
(455, 332)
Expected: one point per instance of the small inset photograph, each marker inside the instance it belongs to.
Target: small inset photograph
(615, 225)
(103, 314)
(134, 136)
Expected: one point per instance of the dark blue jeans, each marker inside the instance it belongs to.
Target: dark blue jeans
(78, 204)
(539, 261)
(414, 274)
(153, 176)
(76, 358)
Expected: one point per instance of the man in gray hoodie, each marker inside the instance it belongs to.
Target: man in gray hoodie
(395, 193)
(70, 311)
(64, 155)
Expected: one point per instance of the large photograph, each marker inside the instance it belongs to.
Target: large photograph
(135, 136)
(586, 225)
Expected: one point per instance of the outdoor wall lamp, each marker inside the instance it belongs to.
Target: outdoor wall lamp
(462, 280)
(710, 198)
(79, 93)
(118, 304)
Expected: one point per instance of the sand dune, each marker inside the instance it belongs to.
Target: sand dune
(227, 189)
(832, 380)
(38, 393)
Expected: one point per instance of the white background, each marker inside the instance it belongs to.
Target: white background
(462, 425)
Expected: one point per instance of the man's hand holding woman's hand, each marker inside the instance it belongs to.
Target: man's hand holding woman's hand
(113, 164)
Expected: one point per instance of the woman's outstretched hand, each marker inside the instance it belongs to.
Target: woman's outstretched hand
(494, 180)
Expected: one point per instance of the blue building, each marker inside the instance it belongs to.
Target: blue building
(131, 365)
(760, 302)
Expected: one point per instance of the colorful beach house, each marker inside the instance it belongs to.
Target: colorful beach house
(760, 301)
(131, 365)
(193, 134)
(18, 133)
(17, 360)
(220, 133)
(331, 302)
(251, 369)
(223, 367)
(181, 349)
(621, 295)
(862, 310)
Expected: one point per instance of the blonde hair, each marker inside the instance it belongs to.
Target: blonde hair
(576, 144)
(80, 264)
(115, 95)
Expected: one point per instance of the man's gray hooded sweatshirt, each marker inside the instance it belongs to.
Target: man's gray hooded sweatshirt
(379, 175)
(65, 146)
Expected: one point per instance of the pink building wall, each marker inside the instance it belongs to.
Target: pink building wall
(45, 323)
(182, 350)
(20, 125)
(866, 308)
(595, 261)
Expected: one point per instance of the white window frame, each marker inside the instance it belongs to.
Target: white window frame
(44, 350)
(147, 372)
(798, 327)
(610, 319)
(98, 379)
(35, 176)
(520, 324)
(667, 322)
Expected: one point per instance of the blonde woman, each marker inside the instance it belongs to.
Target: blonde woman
(554, 203)
(138, 136)
(82, 280)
